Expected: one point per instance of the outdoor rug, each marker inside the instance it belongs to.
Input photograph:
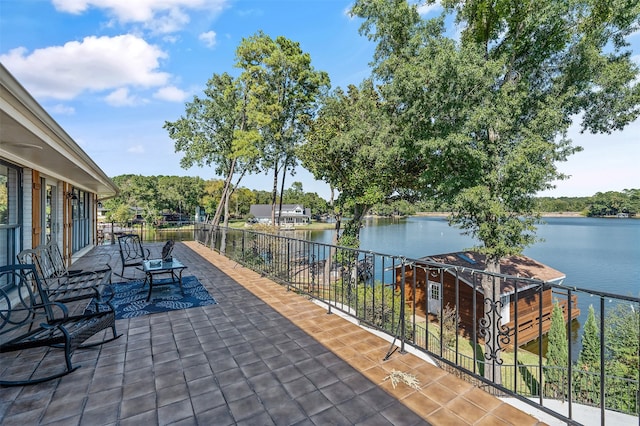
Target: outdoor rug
(130, 299)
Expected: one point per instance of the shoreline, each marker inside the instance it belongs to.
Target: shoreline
(546, 214)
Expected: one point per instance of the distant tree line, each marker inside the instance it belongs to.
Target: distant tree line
(601, 204)
(609, 203)
(153, 196)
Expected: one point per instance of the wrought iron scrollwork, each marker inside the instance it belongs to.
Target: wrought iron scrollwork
(493, 315)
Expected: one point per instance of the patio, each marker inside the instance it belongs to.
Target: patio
(260, 356)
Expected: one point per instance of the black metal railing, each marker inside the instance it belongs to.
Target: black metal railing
(177, 231)
(442, 310)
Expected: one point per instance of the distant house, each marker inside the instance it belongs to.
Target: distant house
(50, 189)
(434, 286)
(291, 214)
(102, 213)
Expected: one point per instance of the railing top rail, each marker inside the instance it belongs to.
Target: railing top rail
(445, 267)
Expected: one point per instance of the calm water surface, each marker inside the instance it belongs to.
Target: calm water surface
(594, 253)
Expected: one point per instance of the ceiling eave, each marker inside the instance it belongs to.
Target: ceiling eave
(30, 137)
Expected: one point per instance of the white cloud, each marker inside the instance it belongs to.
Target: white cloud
(136, 149)
(160, 16)
(171, 94)
(93, 64)
(62, 109)
(121, 97)
(209, 38)
(172, 21)
(424, 8)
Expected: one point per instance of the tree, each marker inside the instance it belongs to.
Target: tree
(557, 354)
(296, 195)
(218, 130)
(622, 352)
(179, 193)
(139, 192)
(491, 111)
(589, 360)
(283, 88)
(352, 147)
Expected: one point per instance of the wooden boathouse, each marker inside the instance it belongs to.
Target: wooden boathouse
(437, 281)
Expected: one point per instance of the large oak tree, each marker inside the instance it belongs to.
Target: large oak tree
(491, 110)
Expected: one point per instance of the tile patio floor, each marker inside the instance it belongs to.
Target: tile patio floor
(260, 356)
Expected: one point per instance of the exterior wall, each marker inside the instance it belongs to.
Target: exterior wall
(528, 309)
(290, 214)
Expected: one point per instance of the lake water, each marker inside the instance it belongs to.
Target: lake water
(594, 253)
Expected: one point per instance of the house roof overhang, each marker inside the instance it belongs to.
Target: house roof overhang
(515, 271)
(31, 138)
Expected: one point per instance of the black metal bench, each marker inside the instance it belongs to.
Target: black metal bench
(132, 254)
(29, 320)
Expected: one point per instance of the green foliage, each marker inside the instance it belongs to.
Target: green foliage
(600, 204)
(182, 194)
(587, 372)
(282, 91)
(395, 208)
(557, 354)
(622, 348)
(296, 195)
(380, 306)
(352, 146)
(121, 214)
(489, 114)
(215, 129)
(486, 113)
(219, 129)
(375, 304)
(621, 341)
(589, 358)
(612, 203)
(450, 321)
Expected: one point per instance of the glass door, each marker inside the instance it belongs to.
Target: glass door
(49, 215)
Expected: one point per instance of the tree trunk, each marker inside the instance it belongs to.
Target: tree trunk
(332, 251)
(223, 241)
(284, 175)
(274, 194)
(490, 324)
(352, 227)
(223, 197)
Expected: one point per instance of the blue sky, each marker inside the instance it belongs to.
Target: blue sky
(111, 72)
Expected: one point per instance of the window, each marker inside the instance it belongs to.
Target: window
(435, 291)
(49, 212)
(80, 216)
(10, 213)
